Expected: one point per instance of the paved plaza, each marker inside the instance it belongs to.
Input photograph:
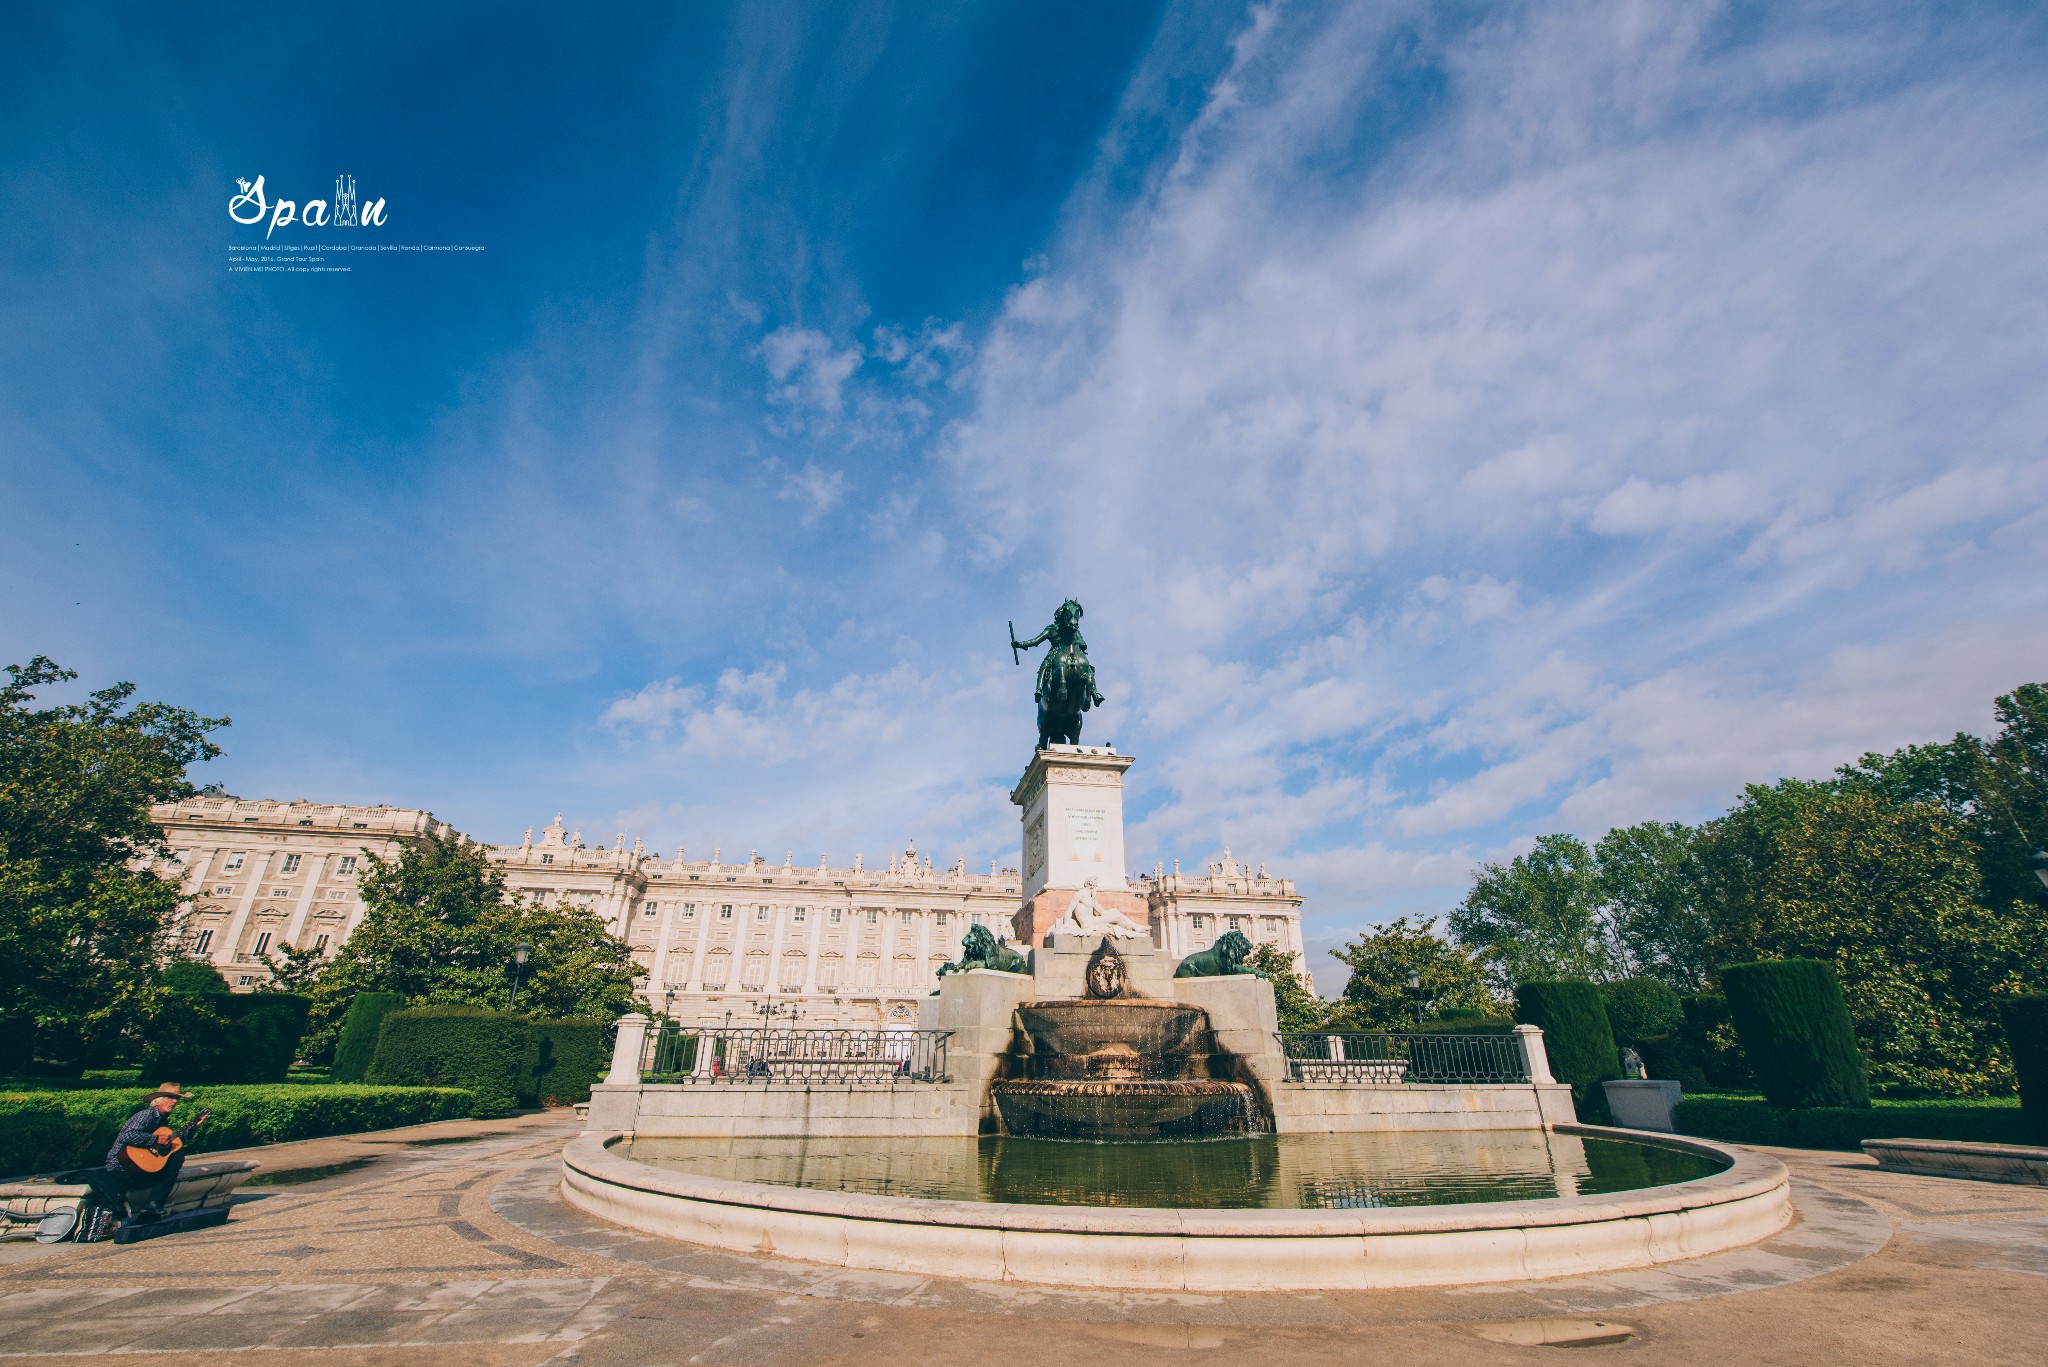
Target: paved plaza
(446, 1244)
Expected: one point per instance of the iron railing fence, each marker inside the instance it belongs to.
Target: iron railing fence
(1384, 1059)
(767, 1056)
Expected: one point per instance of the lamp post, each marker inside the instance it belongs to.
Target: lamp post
(521, 952)
(1419, 993)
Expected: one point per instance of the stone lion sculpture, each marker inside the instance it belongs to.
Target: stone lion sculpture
(980, 949)
(1223, 959)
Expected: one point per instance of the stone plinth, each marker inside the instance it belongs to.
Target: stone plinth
(977, 1007)
(1072, 801)
(1036, 918)
(1638, 1104)
(1059, 968)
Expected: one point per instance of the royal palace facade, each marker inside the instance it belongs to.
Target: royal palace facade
(717, 940)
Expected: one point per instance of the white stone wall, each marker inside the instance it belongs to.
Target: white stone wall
(853, 946)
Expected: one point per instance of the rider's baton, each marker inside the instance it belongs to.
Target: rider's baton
(1013, 645)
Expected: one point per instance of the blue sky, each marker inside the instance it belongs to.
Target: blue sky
(1460, 422)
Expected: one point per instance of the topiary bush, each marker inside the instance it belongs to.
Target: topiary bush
(1796, 1032)
(46, 1131)
(2026, 1034)
(1576, 1034)
(562, 1059)
(190, 975)
(358, 1042)
(1640, 1010)
(454, 1046)
(1710, 1053)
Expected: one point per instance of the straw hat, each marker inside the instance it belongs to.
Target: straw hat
(172, 1090)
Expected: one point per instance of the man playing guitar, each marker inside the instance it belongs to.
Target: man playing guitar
(147, 1156)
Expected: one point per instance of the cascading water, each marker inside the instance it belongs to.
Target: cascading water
(1121, 1070)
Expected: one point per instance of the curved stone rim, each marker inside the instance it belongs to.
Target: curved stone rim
(1749, 1175)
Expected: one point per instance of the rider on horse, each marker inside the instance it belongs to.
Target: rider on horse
(1066, 681)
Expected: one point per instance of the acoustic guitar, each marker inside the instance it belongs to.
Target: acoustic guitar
(146, 1159)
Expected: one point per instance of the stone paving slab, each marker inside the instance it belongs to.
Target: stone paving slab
(460, 1256)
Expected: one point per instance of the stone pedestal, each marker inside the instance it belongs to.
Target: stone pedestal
(977, 1006)
(1072, 802)
(1244, 1020)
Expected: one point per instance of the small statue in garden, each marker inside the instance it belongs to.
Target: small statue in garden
(1226, 958)
(980, 949)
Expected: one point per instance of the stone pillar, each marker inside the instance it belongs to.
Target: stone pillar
(1535, 1054)
(626, 1052)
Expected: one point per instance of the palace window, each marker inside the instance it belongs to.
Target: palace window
(320, 944)
(835, 916)
(756, 973)
(234, 861)
(1195, 921)
(1237, 923)
(223, 889)
(291, 864)
(725, 912)
(760, 913)
(942, 918)
(689, 911)
(547, 859)
(360, 825)
(649, 908)
(280, 892)
(905, 916)
(262, 944)
(872, 917)
(338, 895)
(797, 916)
(348, 864)
(202, 942)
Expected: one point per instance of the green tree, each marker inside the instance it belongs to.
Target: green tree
(439, 927)
(1538, 916)
(1647, 881)
(1300, 1009)
(1381, 961)
(86, 924)
(1887, 892)
(2012, 783)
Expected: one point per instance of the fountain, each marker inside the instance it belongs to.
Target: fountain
(1115, 1067)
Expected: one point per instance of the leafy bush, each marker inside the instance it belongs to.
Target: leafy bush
(358, 1044)
(189, 975)
(2026, 1033)
(1577, 1036)
(221, 1037)
(563, 1058)
(1710, 1053)
(45, 1130)
(1796, 1032)
(454, 1046)
(1751, 1120)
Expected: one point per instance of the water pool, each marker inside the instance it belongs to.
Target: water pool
(1283, 1172)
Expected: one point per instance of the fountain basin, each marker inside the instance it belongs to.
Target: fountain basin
(1198, 1250)
(1113, 1110)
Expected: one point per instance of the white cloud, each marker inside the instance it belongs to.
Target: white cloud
(809, 371)
(815, 490)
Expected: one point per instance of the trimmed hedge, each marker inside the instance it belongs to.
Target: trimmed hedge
(1796, 1032)
(223, 1037)
(563, 1058)
(1576, 1035)
(454, 1046)
(2026, 1033)
(1752, 1120)
(45, 1130)
(358, 1043)
(190, 975)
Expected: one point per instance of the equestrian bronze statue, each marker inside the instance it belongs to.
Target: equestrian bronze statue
(1066, 681)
